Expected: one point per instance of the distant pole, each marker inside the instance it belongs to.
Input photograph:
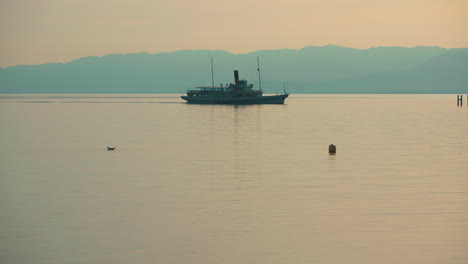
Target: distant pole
(460, 100)
(212, 72)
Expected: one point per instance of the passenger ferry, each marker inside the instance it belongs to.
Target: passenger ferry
(238, 93)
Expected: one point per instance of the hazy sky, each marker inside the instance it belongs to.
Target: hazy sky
(41, 31)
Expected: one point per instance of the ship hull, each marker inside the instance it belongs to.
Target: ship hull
(267, 99)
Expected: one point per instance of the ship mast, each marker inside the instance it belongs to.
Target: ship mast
(212, 72)
(258, 69)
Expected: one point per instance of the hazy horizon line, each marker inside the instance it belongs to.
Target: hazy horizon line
(241, 53)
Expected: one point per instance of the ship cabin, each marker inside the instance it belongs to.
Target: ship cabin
(239, 89)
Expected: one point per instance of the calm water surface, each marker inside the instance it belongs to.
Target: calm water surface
(212, 184)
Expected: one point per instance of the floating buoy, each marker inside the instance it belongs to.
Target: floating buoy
(332, 149)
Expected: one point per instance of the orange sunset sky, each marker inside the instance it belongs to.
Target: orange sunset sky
(43, 31)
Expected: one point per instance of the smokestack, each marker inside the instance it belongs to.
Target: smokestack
(236, 77)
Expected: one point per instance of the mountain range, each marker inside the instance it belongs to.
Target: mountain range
(327, 69)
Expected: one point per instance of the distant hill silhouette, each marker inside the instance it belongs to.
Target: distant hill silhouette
(327, 69)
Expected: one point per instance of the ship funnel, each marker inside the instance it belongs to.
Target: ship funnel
(236, 77)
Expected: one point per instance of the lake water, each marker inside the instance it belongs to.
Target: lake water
(210, 184)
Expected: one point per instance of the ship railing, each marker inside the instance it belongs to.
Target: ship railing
(211, 89)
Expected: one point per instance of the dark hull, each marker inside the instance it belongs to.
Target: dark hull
(267, 99)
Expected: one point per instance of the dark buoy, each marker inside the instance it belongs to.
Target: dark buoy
(109, 148)
(332, 149)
